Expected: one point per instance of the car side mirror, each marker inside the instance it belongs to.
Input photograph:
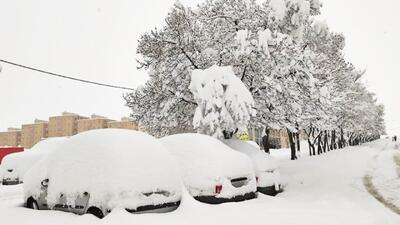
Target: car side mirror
(45, 183)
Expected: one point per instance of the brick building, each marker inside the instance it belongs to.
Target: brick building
(68, 124)
(125, 123)
(64, 125)
(11, 137)
(94, 122)
(33, 133)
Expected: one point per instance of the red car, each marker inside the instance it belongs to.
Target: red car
(8, 150)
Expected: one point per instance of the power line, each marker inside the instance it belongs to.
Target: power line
(64, 76)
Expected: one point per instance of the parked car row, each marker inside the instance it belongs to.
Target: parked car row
(99, 170)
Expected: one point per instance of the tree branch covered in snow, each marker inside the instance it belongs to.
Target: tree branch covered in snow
(292, 65)
(224, 104)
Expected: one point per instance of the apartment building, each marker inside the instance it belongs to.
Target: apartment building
(33, 133)
(11, 137)
(94, 122)
(64, 125)
(125, 123)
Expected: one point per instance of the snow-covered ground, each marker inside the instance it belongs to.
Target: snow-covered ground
(383, 176)
(326, 189)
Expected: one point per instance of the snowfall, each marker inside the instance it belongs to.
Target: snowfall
(335, 188)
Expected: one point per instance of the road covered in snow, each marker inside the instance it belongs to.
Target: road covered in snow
(326, 189)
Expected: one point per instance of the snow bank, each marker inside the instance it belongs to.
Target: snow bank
(266, 167)
(224, 103)
(206, 162)
(114, 166)
(21, 162)
(385, 176)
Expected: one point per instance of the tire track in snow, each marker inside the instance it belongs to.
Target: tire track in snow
(396, 159)
(372, 190)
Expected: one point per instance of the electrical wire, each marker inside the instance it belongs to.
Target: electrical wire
(64, 76)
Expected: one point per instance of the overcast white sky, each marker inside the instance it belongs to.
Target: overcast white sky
(96, 40)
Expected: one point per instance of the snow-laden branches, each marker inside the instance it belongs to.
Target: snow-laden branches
(291, 64)
(224, 104)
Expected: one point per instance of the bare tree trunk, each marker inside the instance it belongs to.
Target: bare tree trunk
(309, 146)
(265, 140)
(319, 145)
(292, 145)
(297, 140)
(341, 141)
(325, 140)
(333, 140)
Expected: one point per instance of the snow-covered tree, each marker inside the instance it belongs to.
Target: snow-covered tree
(292, 65)
(224, 104)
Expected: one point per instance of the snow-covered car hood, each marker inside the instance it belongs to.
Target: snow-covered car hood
(114, 166)
(261, 160)
(205, 160)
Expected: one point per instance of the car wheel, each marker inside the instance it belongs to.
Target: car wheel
(95, 212)
(32, 203)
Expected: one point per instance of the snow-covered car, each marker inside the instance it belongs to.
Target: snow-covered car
(265, 166)
(1, 174)
(211, 171)
(15, 165)
(99, 170)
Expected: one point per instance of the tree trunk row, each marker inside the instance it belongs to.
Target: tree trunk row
(320, 142)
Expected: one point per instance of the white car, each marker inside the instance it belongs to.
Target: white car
(15, 165)
(265, 166)
(211, 171)
(99, 170)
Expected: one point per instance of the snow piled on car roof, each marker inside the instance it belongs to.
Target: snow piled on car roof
(261, 160)
(21, 162)
(205, 161)
(115, 166)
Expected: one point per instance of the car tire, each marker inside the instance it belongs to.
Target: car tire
(32, 203)
(95, 212)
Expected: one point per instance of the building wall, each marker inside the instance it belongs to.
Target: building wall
(10, 138)
(65, 125)
(68, 124)
(130, 125)
(33, 133)
(91, 124)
